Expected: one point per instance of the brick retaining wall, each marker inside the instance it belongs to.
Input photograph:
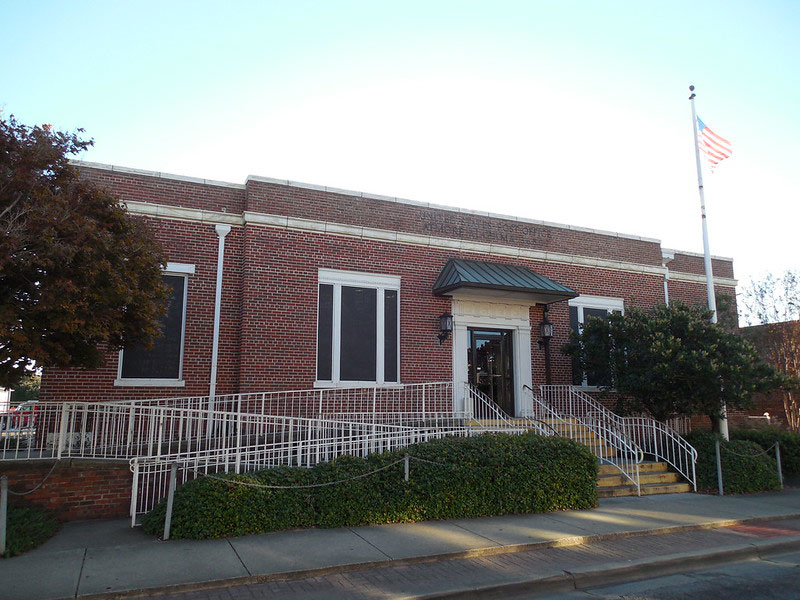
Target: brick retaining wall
(76, 489)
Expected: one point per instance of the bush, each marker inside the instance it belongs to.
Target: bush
(790, 445)
(753, 472)
(29, 526)
(478, 476)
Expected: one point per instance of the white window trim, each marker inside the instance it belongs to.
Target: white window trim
(375, 281)
(607, 302)
(174, 269)
(610, 304)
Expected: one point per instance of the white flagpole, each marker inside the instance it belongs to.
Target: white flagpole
(712, 299)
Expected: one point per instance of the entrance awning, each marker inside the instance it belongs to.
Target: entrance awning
(499, 280)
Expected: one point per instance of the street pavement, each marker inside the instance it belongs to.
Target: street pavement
(771, 578)
(624, 539)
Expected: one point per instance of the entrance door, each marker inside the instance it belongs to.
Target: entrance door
(490, 365)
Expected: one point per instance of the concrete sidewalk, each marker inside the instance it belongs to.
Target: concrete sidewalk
(107, 558)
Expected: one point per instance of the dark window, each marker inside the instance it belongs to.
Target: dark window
(594, 312)
(577, 374)
(575, 323)
(359, 334)
(390, 335)
(325, 332)
(163, 360)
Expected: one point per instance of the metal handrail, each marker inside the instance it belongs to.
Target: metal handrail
(302, 445)
(627, 456)
(480, 408)
(653, 437)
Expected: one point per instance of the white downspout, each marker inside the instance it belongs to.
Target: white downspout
(665, 258)
(222, 231)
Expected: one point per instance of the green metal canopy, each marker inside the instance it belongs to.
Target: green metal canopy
(480, 275)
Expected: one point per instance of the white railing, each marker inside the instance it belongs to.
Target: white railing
(484, 414)
(604, 442)
(104, 430)
(419, 399)
(482, 411)
(653, 437)
(243, 432)
(304, 442)
(294, 442)
(660, 441)
(123, 429)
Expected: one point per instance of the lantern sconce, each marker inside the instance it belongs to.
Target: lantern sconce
(445, 327)
(547, 329)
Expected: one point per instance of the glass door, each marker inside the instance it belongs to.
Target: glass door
(490, 365)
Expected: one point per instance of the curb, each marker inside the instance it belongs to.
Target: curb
(616, 573)
(559, 583)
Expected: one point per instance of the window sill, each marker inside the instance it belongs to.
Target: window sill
(149, 383)
(356, 384)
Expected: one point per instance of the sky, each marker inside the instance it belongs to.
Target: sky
(572, 112)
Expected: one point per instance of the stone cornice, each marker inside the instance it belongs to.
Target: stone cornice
(399, 237)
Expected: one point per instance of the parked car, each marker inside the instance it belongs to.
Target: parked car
(20, 420)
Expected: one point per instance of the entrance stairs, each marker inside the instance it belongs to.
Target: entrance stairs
(655, 477)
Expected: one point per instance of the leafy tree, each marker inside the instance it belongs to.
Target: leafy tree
(773, 303)
(77, 274)
(670, 360)
(27, 389)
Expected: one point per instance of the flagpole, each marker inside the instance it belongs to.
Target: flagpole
(712, 299)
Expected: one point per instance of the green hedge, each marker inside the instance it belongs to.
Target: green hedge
(753, 472)
(29, 526)
(478, 476)
(790, 445)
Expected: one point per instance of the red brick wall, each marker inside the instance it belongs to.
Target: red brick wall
(398, 216)
(165, 190)
(689, 263)
(185, 242)
(268, 324)
(76, 489)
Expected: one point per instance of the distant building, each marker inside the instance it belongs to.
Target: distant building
(776, 407)
(324, 287)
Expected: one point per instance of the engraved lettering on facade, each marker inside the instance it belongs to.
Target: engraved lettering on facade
(476, 228)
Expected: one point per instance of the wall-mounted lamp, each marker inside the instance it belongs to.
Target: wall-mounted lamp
(445, 326)
(547, 330)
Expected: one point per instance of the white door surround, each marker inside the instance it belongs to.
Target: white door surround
(471, 311)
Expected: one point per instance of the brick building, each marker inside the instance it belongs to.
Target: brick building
(323, 287)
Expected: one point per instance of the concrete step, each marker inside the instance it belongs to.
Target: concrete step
(606, 481)
(647, 489)
(648, 466)
(601, 450)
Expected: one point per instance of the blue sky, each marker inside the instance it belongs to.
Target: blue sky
(573, 112)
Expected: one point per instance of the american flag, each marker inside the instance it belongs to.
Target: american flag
(715, 148)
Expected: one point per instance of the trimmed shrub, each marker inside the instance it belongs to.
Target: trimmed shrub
(28, 526)
(454, 478)
(744, 468)
(790, 445)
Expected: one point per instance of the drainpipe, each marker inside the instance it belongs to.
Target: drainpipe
(222, 231)
(666, 257)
